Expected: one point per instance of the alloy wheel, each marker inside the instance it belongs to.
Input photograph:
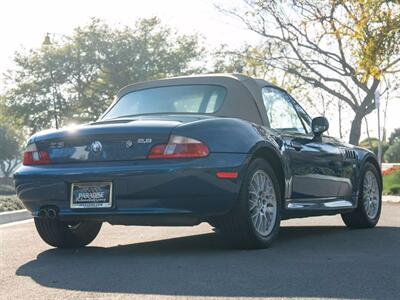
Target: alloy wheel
(262, 203)
(371, 194)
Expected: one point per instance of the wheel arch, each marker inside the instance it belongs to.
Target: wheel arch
(372, 160)
(274, 158)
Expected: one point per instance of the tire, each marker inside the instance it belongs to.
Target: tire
(66, 235)
(363, 217)
(238, 226)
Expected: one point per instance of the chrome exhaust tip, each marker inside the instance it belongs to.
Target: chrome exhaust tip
(42, 213)
(51, 213)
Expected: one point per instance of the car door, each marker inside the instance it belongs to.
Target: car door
(315, 164)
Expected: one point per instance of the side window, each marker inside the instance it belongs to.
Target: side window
(280, 111)
(304, 116)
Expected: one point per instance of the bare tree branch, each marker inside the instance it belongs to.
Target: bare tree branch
(303, 33)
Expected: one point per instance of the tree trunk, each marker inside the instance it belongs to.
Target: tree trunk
(369, 138)
(8, 167)
(355, 131)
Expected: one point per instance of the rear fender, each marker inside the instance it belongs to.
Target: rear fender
(275, 155)
(229, 135)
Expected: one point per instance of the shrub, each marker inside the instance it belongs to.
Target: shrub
(392, 154)
(390, 170)
(395, 190)
(9, 203)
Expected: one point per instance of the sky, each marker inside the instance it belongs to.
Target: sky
(24, 23)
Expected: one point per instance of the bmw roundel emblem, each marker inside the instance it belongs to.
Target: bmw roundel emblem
(96, 147)
(129, 144)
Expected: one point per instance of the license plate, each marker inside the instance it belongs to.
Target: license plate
(91, 195)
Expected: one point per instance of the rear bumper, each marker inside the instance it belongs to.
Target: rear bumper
(147, 192)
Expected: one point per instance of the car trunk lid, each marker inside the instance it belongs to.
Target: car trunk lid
(97, 142)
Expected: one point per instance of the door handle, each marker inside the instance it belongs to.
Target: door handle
(296, 145)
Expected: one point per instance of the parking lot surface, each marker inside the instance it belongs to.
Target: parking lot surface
(313, 258)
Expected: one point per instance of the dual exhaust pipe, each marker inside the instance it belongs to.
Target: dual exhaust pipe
(47, 213)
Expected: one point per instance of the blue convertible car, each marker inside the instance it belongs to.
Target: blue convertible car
(237, 152)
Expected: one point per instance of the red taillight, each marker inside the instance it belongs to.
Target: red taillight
(34, 157)
(179, 147)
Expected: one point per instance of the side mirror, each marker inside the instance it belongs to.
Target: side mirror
(319, 125)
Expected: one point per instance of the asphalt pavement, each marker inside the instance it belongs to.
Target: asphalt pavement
(312, 258)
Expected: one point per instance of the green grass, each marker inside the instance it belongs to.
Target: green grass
(9, 203)
(391, 183)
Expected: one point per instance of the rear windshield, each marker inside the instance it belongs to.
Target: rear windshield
(203, 99)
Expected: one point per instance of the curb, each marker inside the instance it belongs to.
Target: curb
(13, 216)
(391, 199)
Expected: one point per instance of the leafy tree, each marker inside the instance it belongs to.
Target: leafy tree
(392, 154)
(9, 151)
(373, 145)
(76, 77)
(395, 137)
(245, 60)
(344, 48)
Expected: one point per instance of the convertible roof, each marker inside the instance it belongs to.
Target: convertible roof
(243, 99)
(194, 79)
